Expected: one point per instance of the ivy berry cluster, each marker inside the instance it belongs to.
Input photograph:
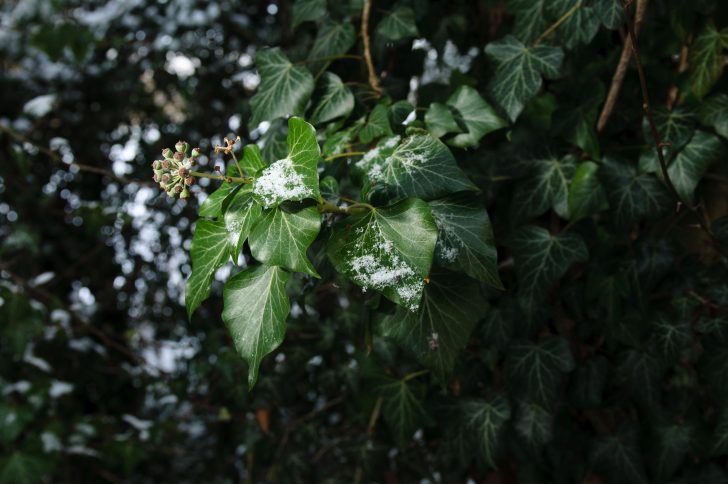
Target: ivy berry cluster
(174, 172)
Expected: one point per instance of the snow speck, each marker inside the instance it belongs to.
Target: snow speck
(374, 161)
(40, 106)
(50, 442)
(59, 388)
(280, 182)
(448, 243)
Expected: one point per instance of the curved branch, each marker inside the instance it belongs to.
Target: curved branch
(373, 79)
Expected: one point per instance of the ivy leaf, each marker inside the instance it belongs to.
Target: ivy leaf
(542, 258)
(212, 206)
(632, 195)
(497, 328)
(485, 420)
(281, 238)
(240, 216)
(671, 336)
(639, 373)
(536, 370)
(672, 442)
(398, 24)
(437, 333)
(518, 76)
(714, 113)
(580, 27)
(377, 124)
(675, 127)
(588, 382)
(465, 238)
(274, 141)
(531, 18)
(690, 164)
(586, 194)
(332, 39)
(610, 13)
(256, 307)
(546, 187)
(720, 435)
(284, 88)
(534, 423)
(420, 166)
(13, 420)
(308, 10)
(402, 408)
(388, 249)
(252, 162)
(209, 251)
(295, 177)
(336, 100)
(706, 59)
(619, 455)
(440, 120)
(399, 111)
(21, 468)
(479, 117)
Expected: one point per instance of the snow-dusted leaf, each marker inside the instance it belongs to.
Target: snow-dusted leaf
(336, 101)
(308, 10)
(536, 371)
(281, 238)
(295, 177)
(485, 420)
(479, 117)
(706, 59)
(518, 76)
(546, 187)
(256, 308)
(284, 88)
(389, 250)
(465, 238)
(209, 251)
(398, 24)
(240, 216)
(437, 333)
(586, 194)
(418, 166)
(542, 258)
(403, 408)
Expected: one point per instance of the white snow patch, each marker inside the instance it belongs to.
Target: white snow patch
(40, 106)
(51, 443)
(59, 388)
(280, 182)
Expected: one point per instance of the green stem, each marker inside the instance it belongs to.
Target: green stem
(240, 169)
(330, 58)
(345, 155)
(226, 179)
(557, 24)
(415, 375)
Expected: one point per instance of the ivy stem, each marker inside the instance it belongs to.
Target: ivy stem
(226, 179)
(328, 207)
(557, 24)
(373, 79)
(697, 211)
(330, 58)
(237, 163)
(415, 375)
(345, 155)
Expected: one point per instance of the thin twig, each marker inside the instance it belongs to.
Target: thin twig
(330, 58)
(556, 24)
(345, 155)
(697, 210)
(373, 79)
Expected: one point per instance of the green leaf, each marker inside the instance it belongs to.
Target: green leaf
(674, 127)
(22, 468)
(437, 333)
(639, 373)
(633, 196)
(536, 371)
(274, 144)
(479, 117)
(588, 382)
(691, 163)
(209, 251)
(541, 258)
(252, 162)
(586, 194)
(398, 24)
(420, 166)
(465, 238)
(610, 13)
(671, 336)
(485, 420)
(308, 10)
(580, 27)
(256, 307)
(295, 177)
(534, 423)
(284, 88)
(213, 204)
(377, 125)
(720, 435)
(399, 111)
(714, 113)
(518, 76)
(531, 18)
(13, 420)
(336, 100)
(240, 216)
(440, 120)
(619, 455)
(706, 59)
(497, 328)
(281, 238)
(332, 39)
(402, 409)
(388, 249)
(546, 187)
(672, 442)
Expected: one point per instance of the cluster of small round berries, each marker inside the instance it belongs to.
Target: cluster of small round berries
(173, 172)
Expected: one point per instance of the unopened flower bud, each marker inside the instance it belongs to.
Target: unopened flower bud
(182, 147)
(167, 153)
(183, 172)
(217, 167)
(165, 165)
(157, 165)
(195, 152)
(193, 162)
(155, 178)
(185, 193)
(170, 192)
(189, 181)
(165, 178)
(179, 156)
(177, 188)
